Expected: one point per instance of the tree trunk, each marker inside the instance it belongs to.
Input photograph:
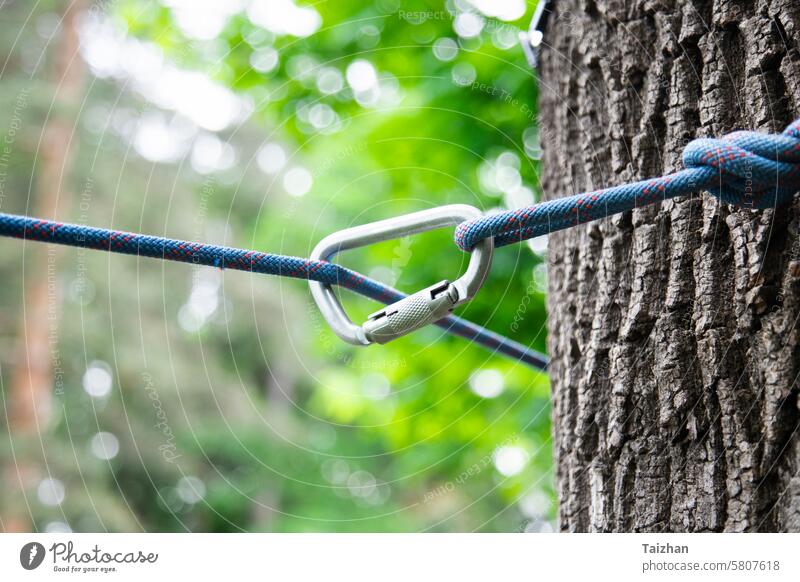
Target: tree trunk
(30, 392)
(674, 328)
(32, 379)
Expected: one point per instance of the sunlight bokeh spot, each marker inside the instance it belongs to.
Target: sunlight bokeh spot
(203, 19)
(510, 460)
(539, 244)
(104, 445)
(284, 17)
(211, 154)
(297, 181)
(468, 24)
(464, 74)
(503, 9)
(264, 60)
(271, 158)
(190, 489)
(445, 49)
(361, 75)
(51, 492)
(97, 379)
(487, 383)
(533, 147)
(330, 80)
(376, 386)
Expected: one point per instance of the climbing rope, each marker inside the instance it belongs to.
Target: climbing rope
(744, 168)
(129, 243)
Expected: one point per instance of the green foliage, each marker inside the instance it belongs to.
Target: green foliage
(287, 428)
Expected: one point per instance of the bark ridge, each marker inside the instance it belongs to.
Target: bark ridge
(673, 328)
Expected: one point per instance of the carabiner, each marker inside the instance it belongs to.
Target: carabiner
(417, 310)
(531, 40)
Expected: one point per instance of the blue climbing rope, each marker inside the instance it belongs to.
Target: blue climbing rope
(744, 168)
(129, 243)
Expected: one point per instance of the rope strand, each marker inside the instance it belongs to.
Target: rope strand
(115, 241)
(743, 168)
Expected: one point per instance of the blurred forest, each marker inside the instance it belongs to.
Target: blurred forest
(143, 395)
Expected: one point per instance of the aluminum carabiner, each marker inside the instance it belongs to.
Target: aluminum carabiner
(416, 310)
(531, 40)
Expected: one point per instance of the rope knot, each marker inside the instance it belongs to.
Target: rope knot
(746, 168)
(743, 168)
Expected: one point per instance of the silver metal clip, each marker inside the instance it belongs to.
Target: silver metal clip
(413, 312)
(416, 310)
(531, 40)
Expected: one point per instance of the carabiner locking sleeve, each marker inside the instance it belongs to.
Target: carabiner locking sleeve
(416, 310)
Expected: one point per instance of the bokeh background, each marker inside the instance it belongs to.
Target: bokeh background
(141, 395)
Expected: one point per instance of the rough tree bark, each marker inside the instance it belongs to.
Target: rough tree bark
(674, 328)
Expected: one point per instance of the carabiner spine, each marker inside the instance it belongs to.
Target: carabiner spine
(417, 310)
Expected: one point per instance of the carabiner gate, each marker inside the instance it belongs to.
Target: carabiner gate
(531, 40)
(416, 310)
